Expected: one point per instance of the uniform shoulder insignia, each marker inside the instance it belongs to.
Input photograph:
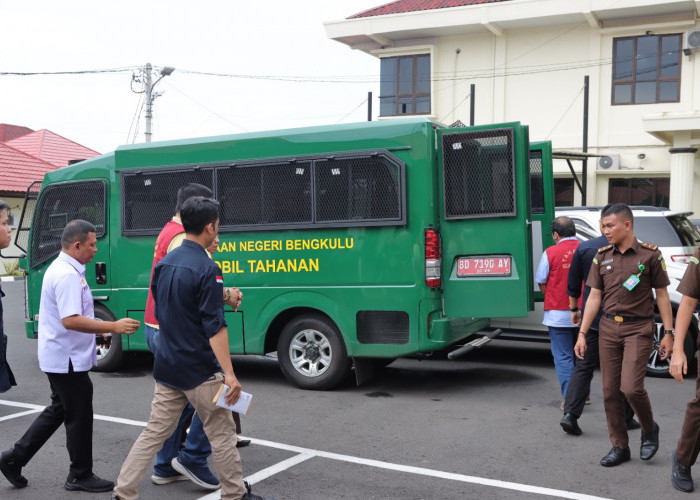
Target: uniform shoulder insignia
(650, 246)
(601, 250)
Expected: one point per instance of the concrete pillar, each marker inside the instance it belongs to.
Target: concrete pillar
(681, 190)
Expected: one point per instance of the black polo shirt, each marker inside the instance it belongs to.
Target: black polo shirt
(188, 290)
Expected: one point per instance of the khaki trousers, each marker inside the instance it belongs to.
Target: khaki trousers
(166, 408)
(624, 352)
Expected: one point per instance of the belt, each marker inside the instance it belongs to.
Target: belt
(625, 319)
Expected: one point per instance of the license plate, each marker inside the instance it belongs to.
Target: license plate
(491, 265)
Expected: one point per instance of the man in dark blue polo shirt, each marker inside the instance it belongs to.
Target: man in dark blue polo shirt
(192, 353)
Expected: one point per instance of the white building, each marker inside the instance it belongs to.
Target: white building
(528, 60)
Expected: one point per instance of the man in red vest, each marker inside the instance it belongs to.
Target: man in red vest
(552, 275)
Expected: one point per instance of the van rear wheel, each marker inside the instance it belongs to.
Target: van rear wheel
(312, 354)
(109, 351)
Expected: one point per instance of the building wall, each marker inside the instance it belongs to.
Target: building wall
(551, 102)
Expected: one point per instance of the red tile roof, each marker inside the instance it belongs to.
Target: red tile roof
(51, 147)
(18, 170)
(8, 131)
(403, 6)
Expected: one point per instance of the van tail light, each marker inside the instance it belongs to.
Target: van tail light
(433, 262)
(681, 259)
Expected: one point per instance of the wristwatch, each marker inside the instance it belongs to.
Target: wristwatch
(573, 309)
(672, 333)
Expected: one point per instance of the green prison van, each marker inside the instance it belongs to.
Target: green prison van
(353, 244)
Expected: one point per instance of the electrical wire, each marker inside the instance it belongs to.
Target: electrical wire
(565, 113)
(351, 112)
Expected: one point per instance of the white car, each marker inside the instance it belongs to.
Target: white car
(676, 237)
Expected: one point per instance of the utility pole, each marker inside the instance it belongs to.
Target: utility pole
(150, 96)
(149, 100)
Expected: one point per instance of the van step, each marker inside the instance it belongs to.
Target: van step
(487, 336)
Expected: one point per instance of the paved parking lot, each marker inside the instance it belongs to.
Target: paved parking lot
(484, 427)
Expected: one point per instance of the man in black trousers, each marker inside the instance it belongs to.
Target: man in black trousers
(580, 383)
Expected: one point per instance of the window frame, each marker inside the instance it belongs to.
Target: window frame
(632, 80)
(414, 95)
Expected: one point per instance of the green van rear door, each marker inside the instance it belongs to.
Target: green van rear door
(485, 224)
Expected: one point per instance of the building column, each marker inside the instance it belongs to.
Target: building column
(681, 189)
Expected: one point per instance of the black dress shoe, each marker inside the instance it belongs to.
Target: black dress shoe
(615, 457)
(570, 425)
(12, 470)
(242, 443)
(650, 443)
(632, 424)
(91, 483)
(680, 476)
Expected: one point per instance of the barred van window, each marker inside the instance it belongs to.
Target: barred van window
(149, 197)
(57, 206)
(478, 173)
(271, 193)
(357, 189)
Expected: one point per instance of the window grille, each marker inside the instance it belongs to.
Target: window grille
(149, 197)
(478, 173)
(57, 206)
(536, 183)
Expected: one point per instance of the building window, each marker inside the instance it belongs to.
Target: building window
(646, 69)
(405, 85)
(640, 191)
(564, 192)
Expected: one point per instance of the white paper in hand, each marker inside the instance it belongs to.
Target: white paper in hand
(241, 406)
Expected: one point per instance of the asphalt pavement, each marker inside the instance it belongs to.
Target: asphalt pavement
(485, 427)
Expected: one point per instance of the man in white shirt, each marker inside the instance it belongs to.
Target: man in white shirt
(66, 349)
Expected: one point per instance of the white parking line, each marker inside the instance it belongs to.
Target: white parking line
(304, 454)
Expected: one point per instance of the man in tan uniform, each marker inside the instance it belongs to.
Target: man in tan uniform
(623, 276)
(688, 446)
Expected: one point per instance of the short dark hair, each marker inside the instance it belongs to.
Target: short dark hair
(564, 227)
(621, 210)
(188, 191)
(602, 212)
(4, 206)
(197, 212)
(76, 230)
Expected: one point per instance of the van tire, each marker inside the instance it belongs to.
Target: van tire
(108, 358)
(658, 368)
(312, 354)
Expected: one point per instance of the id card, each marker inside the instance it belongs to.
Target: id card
(631, 282)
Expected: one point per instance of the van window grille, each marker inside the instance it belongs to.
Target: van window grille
(149, 197)
(57, 206)
(272, 193)
(536, 183)
(478, 173)
(357, 189)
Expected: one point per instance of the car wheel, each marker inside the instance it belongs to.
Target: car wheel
(660, 368)
(109, 350)
(312, 353)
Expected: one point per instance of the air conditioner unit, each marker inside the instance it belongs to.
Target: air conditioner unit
(691, 42)
(610, 162)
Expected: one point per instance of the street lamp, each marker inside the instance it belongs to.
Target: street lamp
(150, 96)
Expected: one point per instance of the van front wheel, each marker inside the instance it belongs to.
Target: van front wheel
(312, 353)
(109, 350)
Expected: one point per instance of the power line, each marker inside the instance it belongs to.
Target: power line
(79, 72)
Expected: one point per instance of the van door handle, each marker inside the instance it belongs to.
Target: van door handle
(100, 273)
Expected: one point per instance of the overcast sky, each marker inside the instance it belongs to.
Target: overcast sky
(260, 41)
